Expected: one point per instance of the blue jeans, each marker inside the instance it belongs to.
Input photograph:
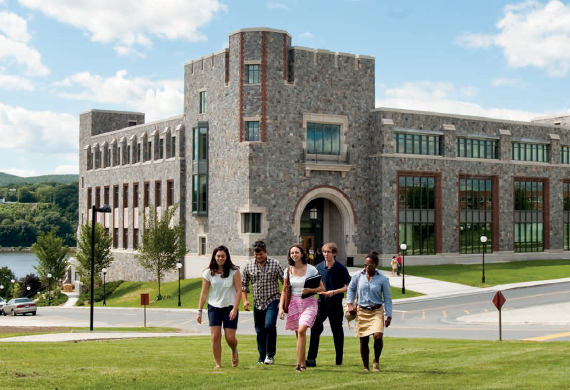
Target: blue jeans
(265, 322)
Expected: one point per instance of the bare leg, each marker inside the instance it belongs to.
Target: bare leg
(364, 352)
(216, 334)
(231, 339)
(301, 345)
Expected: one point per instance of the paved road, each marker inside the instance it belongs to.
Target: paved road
(539, 312)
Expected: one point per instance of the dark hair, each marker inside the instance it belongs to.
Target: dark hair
(228, 265)
(259, 246)
(304, 257)
(374, 252)
(372, 255)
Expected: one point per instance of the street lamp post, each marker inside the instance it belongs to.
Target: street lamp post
(179, 266)
(28, 288)
(403, 247)
(104, 270)
(49, 289)
(484, 241)
(13, 293)
(94, 210)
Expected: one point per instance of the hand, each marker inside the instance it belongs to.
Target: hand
(351, 309)
(388, 321)
(246, 305)
(308, 291)
(328, 294)
(281, 314)
(233, 314)
(199, 318)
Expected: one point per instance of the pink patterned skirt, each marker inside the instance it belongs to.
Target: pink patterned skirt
(301, 312)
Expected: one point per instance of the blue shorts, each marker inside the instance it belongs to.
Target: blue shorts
(221, 315)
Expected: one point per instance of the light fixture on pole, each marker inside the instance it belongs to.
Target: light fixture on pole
(313, 214)
(179, 266)
(403, 247)
(28, 293)
(49, 289)
(94, 210)
(104, 270)
(484, 241)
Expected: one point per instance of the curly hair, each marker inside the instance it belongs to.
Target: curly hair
(304, 256)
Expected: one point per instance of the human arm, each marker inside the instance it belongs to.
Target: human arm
(237, 286)
(282, 299)
(314, 290)
(351, 293)
(203, 297)
(387, 295)
(245, 288)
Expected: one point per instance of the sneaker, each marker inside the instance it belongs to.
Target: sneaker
(269, 360)
(311, 363)
(259, 362)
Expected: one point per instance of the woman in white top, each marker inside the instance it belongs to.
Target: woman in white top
(302, 312)
(222, 281)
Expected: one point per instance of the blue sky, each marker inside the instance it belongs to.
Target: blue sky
(58, 58)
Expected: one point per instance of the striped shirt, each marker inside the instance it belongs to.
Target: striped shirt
(264, 280)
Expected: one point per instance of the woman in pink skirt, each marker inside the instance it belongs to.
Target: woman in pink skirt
(302, 312)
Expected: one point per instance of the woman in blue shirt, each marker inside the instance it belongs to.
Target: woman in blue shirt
(373, 301)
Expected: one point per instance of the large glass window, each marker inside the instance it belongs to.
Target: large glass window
(251, 223)
(411, 143)
(475, 214)
(529, 216)
(323, 138)
(252, 74)
(566, 199)
(203, 102)
(416, 220)
(477, 148)
(200, 170)
(252, 131)
(530, 152)
(565, 154)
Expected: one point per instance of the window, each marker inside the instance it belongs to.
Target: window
(200, 170)
(106, 196)
(411, 143)
(115, 238)
(157, 193)
(202, 246)
(565, 154)
(138, 154)
(125, 238)
(115, 196)
(169, 193)
(252, 74)
(530, 152)
(202, 102)
(475, 214)
(529, 216)
(173, 147)
(146, 195)
(323, 138)
(161, 148)
(135, 194)
(566, 199)
(125, 195)
(132, 123)
(416, 219)
(98, 197)
(477, 148)
(128, 159)
(251, 223)
(252, 131)
(149, 151)
(135, 238)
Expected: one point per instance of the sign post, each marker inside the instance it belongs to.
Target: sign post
(499, 300)
(144, 302)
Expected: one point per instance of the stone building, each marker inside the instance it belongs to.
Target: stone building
(285, 144)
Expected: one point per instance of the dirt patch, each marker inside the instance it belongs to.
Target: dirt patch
(31, 329)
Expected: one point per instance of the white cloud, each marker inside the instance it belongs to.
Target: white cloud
(66, 169)
(158, 99)
(443, 98)
(20, 172)
(132, 23)
(41, 132)
(15, 83)
(530, 34)
(272, 5)
(14, 48)
(504, 81)
(305, 35)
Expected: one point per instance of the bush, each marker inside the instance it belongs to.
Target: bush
(110, 288)
(57, 298)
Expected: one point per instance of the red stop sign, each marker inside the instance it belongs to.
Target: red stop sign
(499, 300)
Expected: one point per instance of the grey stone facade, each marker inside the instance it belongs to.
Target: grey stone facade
(354, 191)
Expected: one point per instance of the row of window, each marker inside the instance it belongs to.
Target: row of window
(135, 152)
(410, 143)
(417, 208)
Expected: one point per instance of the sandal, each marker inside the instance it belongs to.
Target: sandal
(235, 361)
(376, 367)
(298, 368)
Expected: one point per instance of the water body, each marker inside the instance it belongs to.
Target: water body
(20, 264)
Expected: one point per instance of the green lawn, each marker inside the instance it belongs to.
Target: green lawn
(187, 363)
(128, 294)
(495, 273)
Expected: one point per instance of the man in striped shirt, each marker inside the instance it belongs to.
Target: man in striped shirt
(264, 273)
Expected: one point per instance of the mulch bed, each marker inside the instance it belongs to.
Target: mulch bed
(31, 329)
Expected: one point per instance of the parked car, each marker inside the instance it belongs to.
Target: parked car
(19, 306)
(2, 302)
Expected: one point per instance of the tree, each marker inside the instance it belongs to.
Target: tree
(34, 284)
(52, 256)
(162, 245)
(6, 277)
(103, 256)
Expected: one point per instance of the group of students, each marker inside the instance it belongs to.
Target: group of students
(224, 286)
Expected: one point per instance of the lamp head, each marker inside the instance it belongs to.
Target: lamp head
(49, 275)
(483, 239)
(104, 270)
(403, 246)
(179, 265)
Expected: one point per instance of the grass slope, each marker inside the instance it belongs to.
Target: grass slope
(6, 179)
(187, 363)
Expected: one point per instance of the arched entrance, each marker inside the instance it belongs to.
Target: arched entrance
(325, 214)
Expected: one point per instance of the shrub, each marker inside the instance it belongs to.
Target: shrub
(110, 288)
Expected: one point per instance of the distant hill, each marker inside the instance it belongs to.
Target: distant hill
(6, 179)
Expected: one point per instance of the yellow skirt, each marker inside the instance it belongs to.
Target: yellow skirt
(369, 322)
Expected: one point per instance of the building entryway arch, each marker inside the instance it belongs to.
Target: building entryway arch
(324, 214)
